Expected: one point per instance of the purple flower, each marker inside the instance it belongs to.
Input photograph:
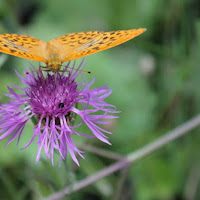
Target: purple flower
(51, 102)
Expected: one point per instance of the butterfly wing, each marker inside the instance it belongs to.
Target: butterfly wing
(23, 46)
(76, 45)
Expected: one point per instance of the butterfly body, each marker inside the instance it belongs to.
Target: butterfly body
(64, 48)
(54, 63)
(53, 56)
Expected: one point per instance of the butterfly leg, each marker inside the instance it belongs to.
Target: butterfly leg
(45, 68)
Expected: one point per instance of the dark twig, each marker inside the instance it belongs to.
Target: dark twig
(191, 187)
(121, 184)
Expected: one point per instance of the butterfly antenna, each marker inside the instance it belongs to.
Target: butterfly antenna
(80, 70)
(32, 71)
(36, 70)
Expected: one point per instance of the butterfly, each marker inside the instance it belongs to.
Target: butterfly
(65, 48)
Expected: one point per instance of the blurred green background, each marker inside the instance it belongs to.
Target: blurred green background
(155, 79)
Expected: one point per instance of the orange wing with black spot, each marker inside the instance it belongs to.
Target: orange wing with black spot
(23, 46)
(65, 48)
(76, 45)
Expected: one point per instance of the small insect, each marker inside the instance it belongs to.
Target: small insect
(64, 48)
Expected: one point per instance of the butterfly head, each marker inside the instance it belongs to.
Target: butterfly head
(54, 63)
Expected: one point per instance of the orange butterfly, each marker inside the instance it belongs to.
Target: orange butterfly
(64, 48)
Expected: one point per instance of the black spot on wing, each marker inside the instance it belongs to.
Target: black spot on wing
(12, 51)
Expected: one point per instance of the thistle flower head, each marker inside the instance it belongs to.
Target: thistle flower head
(51, 101)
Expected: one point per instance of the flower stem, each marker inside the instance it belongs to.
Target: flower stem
(130, 158)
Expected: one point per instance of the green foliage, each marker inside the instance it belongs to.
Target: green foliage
(155, 78)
